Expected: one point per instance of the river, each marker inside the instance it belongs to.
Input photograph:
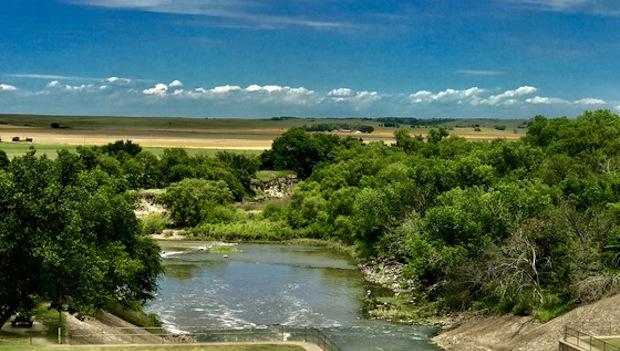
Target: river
(302, 286)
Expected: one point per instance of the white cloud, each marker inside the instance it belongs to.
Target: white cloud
(508, 97)
(118, 81)
(7, 87)
(58, 86)
(590, 101)
(363, 99)
(175, 84)
(54, 84)
(471, 95)
(541, 100)
(224, 89)
(596, 7)
(302, 100)
(254, 88)
(340, 92)
(160, 89)
(46, 76)
(236, 12)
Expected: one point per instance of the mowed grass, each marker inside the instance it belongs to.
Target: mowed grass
(266, 347)
(17, 149)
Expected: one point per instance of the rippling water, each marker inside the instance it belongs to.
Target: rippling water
(275, 284)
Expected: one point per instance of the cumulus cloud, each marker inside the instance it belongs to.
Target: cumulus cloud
(254, 88)
(58, 86)
(175, 84)
(225, 89)
(508, 97)
(471, 95)
(175, 96)
(162, 89)
(7, 87)
(340, 92)
(54, 84)
(117, 81)
(358, 100)
(542, 100)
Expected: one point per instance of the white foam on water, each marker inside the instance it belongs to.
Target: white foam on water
(172, 328)
(170, 253)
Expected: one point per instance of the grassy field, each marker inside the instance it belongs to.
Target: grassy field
(16, 149)
(202, 135)
(266, 347)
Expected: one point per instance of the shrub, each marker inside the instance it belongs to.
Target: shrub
(154, 223)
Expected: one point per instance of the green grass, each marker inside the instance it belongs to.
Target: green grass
(136, 317)
(266, 347)
(18, 149)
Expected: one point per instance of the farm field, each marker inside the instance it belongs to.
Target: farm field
(204, 134)
(51, 150)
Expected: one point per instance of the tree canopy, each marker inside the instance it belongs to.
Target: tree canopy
(528, 226)
(69, 236)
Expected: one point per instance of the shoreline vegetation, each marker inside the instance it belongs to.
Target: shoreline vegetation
(527, 227)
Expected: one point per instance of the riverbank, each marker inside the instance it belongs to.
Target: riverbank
(517, 333)
(474, 332)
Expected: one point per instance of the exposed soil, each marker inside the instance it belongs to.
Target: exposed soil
(526, 333)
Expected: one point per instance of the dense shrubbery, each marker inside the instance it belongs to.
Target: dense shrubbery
(526, 226)
(139, 169)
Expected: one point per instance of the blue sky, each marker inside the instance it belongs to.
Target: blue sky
(251, 58)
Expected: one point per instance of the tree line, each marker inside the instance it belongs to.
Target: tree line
(529, 226)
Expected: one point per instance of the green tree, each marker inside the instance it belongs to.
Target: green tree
(190, 200)
(75, 245)
(4, 160)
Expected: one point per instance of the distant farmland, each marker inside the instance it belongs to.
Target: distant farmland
(202, 135)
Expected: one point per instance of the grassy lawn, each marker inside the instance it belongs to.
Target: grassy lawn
(17, 149)
(153, 348)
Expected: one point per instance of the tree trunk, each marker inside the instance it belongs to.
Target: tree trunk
(5, 314)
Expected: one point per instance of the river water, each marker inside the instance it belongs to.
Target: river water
(298, 286)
